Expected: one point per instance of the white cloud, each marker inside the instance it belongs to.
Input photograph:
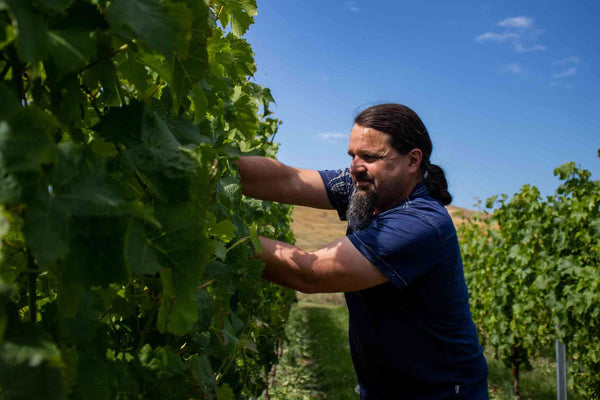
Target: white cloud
(517, 22)
(352, 6)
(332, 137)
(513, 68)
(522, 49)
(496, 37)
(520, 32)
(569, 72)
(568, 60)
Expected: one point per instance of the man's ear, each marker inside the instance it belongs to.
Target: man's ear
(415, 156)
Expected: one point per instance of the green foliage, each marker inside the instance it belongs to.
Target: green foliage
(126, 260)
(534, 274)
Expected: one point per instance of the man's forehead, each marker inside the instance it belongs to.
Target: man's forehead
(365, 136)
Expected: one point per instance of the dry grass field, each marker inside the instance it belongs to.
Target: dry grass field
(314, 228)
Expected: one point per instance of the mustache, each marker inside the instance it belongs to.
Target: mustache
(362, 176)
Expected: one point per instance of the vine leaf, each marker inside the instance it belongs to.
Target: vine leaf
(122, 124)
(29, 368)
(224, 392)
(6, 291)
(24, 147)
(24, 141)
(96, 251)
(119, 124)
(44, 229)
(224, 231)
(58, 6)
(186, 251)
(141, 253)
(71, 50)
(134, 71)
(32, 31)
(156, 28)
(9, 100)
(240, 13)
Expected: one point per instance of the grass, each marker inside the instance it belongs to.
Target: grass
(316, 362)
(537, 384)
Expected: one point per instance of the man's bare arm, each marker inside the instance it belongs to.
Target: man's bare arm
(268, 179)
(338, 267)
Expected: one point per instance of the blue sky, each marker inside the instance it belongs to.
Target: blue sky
(508, 90)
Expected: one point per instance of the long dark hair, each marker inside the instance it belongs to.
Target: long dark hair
(407, 132)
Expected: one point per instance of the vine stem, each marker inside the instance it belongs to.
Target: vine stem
(7, 243)
(31, 266)
(270, 376)
(18, 71)
(206, 284)
(181, 349)
(515, 374)
(267, 395)
(92, 98)
(272, 138)
(5, 70)
(106, 57)
(154, 91)
(105, 313)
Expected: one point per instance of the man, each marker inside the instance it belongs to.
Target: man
(411, 332)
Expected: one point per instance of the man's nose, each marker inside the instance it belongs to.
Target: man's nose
(357, 166)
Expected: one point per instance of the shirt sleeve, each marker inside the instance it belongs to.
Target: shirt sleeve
(338, 184)
(402, 245)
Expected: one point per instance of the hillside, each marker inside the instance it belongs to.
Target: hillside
(314, 228)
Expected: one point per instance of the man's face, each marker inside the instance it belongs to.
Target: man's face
(377, 168)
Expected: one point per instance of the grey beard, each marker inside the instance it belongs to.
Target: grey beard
(360, 209)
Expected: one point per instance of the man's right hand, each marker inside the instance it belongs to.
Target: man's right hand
(268, 179)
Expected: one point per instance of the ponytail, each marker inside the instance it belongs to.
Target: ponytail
(436, 183)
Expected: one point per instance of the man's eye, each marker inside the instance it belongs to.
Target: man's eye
(365, 157)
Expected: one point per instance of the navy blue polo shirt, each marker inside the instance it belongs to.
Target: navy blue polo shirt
(411, 337)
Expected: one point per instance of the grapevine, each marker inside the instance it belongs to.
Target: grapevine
(126, 260)
(533, 272)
